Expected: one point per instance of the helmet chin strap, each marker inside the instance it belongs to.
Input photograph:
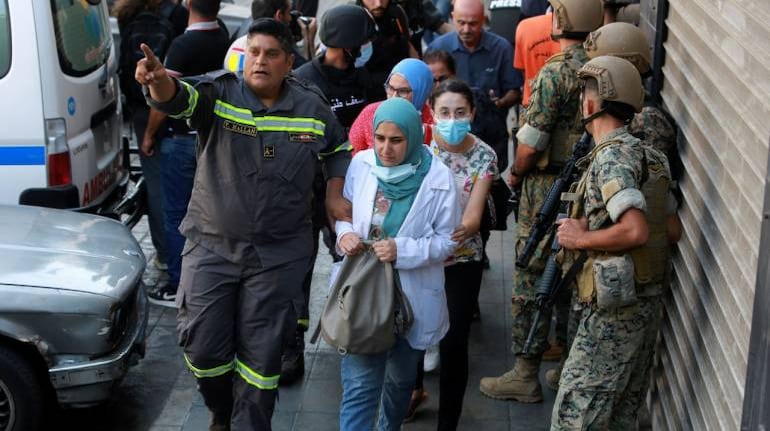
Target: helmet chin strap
(588, 119)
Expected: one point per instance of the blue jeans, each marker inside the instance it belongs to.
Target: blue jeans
(178, 153)
(152, 179)
(384, 379)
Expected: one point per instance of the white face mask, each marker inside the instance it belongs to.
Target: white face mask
(394, 174)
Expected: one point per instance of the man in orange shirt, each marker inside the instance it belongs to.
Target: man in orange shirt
(533, 47)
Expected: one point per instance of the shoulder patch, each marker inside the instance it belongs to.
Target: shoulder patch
(610, 188)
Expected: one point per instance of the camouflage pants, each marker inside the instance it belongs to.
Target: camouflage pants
(525, 281)
(607, 373)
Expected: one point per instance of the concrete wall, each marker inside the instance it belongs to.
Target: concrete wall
(716, 85)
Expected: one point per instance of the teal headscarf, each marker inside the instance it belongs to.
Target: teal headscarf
(401, 195)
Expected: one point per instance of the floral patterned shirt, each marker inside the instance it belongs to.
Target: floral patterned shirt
(381, 207)
(478, 162)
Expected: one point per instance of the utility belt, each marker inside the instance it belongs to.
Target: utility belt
(610, 281)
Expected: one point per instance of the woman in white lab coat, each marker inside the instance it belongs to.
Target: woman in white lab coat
(404, 198)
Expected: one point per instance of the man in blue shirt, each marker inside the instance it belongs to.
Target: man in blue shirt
(484, 60)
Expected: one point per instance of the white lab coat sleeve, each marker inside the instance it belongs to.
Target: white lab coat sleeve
(437, 245)
(342, 227)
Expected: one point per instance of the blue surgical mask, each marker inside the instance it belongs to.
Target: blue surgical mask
(453, 131)
(366, 54)
(394, 174)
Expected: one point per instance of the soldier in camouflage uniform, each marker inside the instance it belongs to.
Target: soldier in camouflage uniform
(627, 41)
(545, 142)
(619, 220)
(650, 125)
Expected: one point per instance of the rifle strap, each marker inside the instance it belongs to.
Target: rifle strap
(570, 275)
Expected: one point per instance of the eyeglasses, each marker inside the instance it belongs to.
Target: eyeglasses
(459, 114)
(441, 78)
(400, 92)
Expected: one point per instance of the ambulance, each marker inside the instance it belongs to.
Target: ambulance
(61, 144)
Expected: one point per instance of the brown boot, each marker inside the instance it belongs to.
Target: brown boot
(520, 384)
(552, 377)
(553, 354)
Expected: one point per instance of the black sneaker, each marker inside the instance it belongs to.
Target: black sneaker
(293, 359)
(165, 296)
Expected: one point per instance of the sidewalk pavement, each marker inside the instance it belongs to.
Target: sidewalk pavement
(313, 403)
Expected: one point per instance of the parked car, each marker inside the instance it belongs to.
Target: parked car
(73, 311)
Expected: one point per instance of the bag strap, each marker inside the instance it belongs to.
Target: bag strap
(316, 332)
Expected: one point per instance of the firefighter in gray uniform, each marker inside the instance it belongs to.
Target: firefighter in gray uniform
(248, 223)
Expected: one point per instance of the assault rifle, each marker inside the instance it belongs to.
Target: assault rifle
(551, 283)
(546, 216)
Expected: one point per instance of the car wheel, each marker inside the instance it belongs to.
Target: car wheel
(21, 401)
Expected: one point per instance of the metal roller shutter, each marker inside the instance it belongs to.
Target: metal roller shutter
(716, 85)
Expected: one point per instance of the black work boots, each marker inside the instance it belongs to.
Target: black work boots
(293, 359)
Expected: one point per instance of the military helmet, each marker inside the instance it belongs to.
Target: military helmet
(620, 39)
(577, 18)
(630, 14)
(347, 26)
(618, 80)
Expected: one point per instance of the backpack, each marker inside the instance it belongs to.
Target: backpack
(157, 32)
(366, 310)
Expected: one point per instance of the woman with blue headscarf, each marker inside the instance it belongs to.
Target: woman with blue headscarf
(405, 200)
(410, 79)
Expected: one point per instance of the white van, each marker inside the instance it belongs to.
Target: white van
(60, 116)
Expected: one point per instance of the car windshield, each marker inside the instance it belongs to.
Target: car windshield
(82, 35)
(5, 38)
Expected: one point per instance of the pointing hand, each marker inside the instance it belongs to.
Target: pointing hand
(149, 70)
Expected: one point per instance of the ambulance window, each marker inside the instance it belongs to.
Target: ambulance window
(83, 36)
(5, 39)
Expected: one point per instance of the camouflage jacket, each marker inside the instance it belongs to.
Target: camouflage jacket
(611, 183)
(555, 99)
(654, 129)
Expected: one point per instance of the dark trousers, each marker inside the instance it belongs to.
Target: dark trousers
(233, 321)
(179, 162)
(320, 226)
(462, 284)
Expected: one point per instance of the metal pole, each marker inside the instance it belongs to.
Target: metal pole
(756, 400)
(659, 53)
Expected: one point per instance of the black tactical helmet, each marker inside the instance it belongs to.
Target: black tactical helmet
(347, 26)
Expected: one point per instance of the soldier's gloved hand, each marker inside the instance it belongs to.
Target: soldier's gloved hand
(571, 232)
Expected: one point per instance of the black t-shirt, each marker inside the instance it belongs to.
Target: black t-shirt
(346, 90)
(423, 15)
(196, 52)
(390, 45)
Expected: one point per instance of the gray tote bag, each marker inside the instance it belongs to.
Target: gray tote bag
(366, 309)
